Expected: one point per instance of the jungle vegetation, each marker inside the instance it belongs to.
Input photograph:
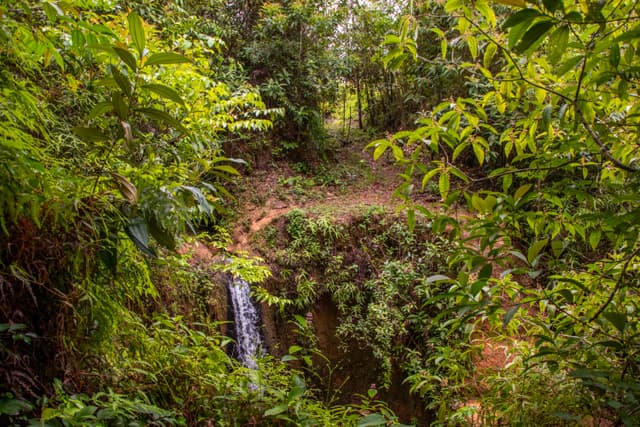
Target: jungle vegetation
(126, 128)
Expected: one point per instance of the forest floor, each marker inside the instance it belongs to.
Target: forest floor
(354, 183)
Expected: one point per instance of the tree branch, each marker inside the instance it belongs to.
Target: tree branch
(616, 288)
(603, 148)
(579, 114)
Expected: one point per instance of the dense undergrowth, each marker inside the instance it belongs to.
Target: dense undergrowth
(402, 320)
(381, 278)
(111, 149)
(117, 124)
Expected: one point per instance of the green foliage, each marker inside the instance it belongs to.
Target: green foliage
(385, 97)
(541, 150)
(102, 409)
(380, 276)
(287, 50)
(111, 148)
(114, 136)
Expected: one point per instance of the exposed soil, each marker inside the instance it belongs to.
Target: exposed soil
(269, 193)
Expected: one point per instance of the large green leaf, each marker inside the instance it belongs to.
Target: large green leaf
(100, 109)
(614, 55)
(162, 236)
(535, 249)
(138, 233)
(136, 30)
(14, 406)
(227, 169)
(127, 57)
(533, 35)
(120, 105)
(509, 315)
(52, 10)
(276, 410)
(558, 42)
(89, 134)
(123, 82)
(552, 5)
(372, 420)
(162, 116)
(298, 388)
(165, 92)
(521, 16)
(617, 319)
(443, 184)
(199, 197)
(165, 58)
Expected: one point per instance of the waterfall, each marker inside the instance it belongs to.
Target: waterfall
(248, 341)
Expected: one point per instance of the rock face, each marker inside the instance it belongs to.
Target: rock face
(351, 369)
(219, 306)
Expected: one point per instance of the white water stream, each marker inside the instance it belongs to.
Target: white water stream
(247, 320)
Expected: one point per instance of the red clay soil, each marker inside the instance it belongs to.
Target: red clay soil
(336, 200)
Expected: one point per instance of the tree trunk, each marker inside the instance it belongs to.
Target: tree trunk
(359, 100)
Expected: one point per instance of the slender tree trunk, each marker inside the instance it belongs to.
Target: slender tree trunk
(349, 127)
(359, 100)
(371, 106)
(344, 110)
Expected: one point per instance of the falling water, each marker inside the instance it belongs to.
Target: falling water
(246, 319)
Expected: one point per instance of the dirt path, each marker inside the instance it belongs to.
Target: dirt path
(272, 193)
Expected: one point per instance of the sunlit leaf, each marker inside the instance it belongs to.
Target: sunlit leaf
(517, 3)
(521, 191)
(558, 41)
(165, 58)
(136, 29)
(594, 238)
(165, 92)
(489, 53)
(127, 57)
(479, 152)
(428, 176)
(535, 249)
(52, 11)
(443, 184)
(227, 169)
